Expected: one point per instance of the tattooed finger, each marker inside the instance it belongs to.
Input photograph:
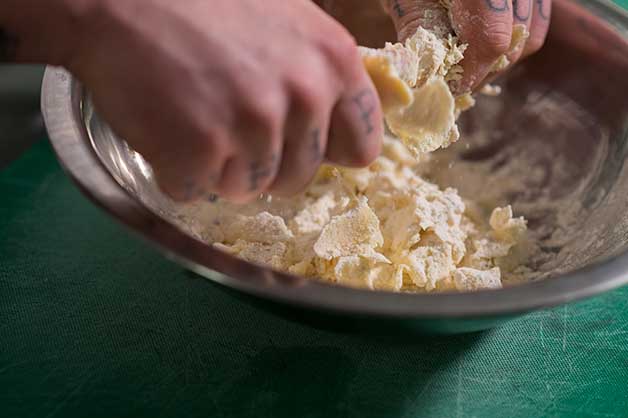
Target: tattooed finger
(541, 11)
(498, 5)
(304, 153)
(488, 35)
(522, 11)
(246, 176)
(366, 103)
(356, 130)
(522, 15)
(408, 15)
(543, 8)
(262, 171)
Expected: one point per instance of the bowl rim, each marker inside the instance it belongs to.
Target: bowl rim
(61, 102)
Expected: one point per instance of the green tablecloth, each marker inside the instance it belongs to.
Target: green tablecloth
(94, 323)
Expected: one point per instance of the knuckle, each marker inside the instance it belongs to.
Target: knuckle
(188, 173)
(343, 51)
(265, 111)
(345, 46)
(308, 94)
(498, 43)
(495, 39)
(208, 144)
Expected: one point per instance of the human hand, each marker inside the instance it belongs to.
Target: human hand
(231, 97)
(485, 25)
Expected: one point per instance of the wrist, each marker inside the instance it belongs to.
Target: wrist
(48, 31)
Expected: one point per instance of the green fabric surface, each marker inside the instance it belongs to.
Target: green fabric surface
(94, 323)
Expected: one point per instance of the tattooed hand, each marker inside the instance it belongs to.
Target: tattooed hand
(230, 97)
(485, 25)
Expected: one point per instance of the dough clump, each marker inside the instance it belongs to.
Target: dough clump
(411, 79)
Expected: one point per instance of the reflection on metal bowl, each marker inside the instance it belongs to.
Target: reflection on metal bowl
(558, 136)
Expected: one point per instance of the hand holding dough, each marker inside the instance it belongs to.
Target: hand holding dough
(488, 27)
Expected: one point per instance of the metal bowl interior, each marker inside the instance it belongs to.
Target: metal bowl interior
(568, 103)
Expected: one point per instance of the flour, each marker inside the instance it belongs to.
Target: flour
(533, 173)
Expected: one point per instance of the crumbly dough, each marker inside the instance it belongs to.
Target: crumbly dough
(383, 227)
(411, 79)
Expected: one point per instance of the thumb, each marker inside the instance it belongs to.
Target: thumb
(408, 15)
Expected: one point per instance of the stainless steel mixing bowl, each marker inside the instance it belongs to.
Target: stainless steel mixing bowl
(572, 96)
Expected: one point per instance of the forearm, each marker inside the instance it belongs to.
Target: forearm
(42, 31)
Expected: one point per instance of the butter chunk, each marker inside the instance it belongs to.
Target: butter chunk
(352, 233)
(430, 264)
(507, 228)
(314, 217)
(429, 123)
(393, 92)
(468, 279)
(263, 227)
